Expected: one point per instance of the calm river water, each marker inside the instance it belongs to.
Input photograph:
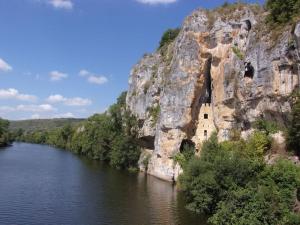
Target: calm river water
(44, 185)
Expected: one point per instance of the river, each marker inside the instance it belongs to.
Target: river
(43, 185)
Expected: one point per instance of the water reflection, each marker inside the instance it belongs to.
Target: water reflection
(41, 185)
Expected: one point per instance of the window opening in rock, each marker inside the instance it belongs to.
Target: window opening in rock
(206, 116)
(249, 70)
(205, 134)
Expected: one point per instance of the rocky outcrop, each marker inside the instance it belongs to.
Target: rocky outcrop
(221, 65)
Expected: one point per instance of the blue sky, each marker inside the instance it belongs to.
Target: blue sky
(72, 58)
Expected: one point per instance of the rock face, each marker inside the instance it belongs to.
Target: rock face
(220, 74)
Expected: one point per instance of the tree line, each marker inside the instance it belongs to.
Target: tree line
(109, 137)
(5, 136)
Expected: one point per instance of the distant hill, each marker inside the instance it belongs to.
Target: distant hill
(42, 124)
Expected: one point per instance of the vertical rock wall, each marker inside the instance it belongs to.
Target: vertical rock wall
(220, 59)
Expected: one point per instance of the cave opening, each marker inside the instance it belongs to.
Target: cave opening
(249, 70)
(248, 24)
(147, 142)
(187, 146)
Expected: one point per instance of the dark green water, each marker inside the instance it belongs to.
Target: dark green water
(43, 185)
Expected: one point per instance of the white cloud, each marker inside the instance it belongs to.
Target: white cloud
(155, 2)
(97, 79)
(84, 73)
(61, 4)
(55, 98)
(64, 115)
(36, 116)
(57, 76)
(6, 109)
(12, 93)
(28, 108)
(93, 78)
(4, 66)
(77, 101)
(36, 108)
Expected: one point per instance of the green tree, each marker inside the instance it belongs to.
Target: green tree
(110, 136)
(293, 138)
(168, 37)
(232, 185)
(5, 136)
(208, 179)
(258, 144)
(269, 127)
(282, 11)
(267, 200)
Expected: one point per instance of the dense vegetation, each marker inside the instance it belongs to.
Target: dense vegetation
(41, 124)
(231, 183)
(109, 137)
(282, 11)
(294, 127)
(168, 37)
(5, 136)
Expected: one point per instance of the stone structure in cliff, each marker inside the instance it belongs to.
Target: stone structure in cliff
(223, 71)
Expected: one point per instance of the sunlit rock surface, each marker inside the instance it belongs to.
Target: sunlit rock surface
(224, 61)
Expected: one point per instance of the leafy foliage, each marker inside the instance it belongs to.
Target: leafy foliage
(42, 124)
(231, 183)
(269, 127)
(154, 113)
(5, 136)
(258, 144)
(107, 137)
(293, 138)
(185, 155)
(268, 199)
(238, 52)
(282, 11)
(168, 37)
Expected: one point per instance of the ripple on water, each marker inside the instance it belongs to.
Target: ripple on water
(43, 185)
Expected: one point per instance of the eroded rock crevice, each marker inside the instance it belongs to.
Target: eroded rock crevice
(217, 76)
(147, 142)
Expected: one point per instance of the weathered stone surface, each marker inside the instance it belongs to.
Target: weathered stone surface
(222, 62)
(278, 143)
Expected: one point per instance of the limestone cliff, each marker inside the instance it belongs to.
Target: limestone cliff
(223, 71)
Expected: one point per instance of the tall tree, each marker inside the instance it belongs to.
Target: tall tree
(294, 127)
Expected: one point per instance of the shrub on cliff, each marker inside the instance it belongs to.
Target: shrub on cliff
(168, 37)
(282, 11)
(185, 155)
(267, 126)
